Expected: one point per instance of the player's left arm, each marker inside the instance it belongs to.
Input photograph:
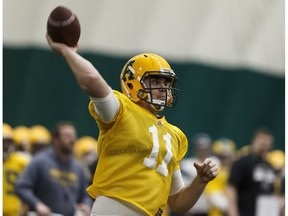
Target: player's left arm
(188, 196)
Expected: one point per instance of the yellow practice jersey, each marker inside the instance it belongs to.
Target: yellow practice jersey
(138, 153)
(12, 168)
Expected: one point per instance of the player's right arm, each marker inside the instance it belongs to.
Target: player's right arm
(90, 80)
(87, 76)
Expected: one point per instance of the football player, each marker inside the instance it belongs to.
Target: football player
(85, 150)
(13, 165)
(40, 138)
(225, 149)
(138, 169)
(21, 136)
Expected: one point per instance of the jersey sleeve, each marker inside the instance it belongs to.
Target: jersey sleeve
(107, 107)
(182, 147)
(102, 124)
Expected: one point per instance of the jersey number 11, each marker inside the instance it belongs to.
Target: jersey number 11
(150, 161)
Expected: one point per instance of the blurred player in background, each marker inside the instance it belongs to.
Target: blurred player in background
(201, 147)
(40, 138)
(54, 181)
(251, 177)
(21, 135)
(13, 165)
(243, 151)
(139, 151)
(225, 149)
(85, 150)
(277, 159)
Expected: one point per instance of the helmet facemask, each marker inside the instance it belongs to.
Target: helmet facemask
(147, 94)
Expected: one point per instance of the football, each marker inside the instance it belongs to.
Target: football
(63, 26)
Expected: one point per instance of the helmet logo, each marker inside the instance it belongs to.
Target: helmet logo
(128, 72)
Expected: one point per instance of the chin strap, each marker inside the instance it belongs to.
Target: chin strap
(157, 109)
(157, 105)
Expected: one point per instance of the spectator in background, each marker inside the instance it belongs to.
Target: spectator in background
(54, 182)
(40, 138)
(225, 150)
(13, 165)
(202, 149)
(85, 150)
(252, 176)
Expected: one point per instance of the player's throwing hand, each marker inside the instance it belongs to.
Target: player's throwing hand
(207, 171)
(58, 48)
